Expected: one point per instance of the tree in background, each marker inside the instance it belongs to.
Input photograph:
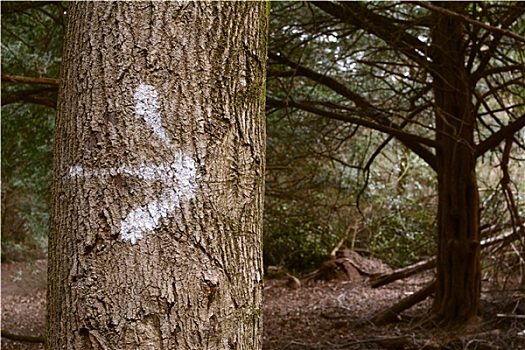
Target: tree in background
(445, 80)
(156, 221)
(31, 50)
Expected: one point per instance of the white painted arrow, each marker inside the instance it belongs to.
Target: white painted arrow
(179, 176)
(147, 107)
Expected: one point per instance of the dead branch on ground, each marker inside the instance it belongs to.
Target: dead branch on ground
(404, 272)
(393, 313)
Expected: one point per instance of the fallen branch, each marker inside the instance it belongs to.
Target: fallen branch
(22, 338)
(499, 238)
(392, 313)
(404, 272)
(401, 273)
(510, 316)
(336, 248)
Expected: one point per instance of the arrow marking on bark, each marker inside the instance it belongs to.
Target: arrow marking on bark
(180, 175)
(147, 107)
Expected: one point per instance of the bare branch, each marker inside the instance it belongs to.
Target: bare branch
(497, 70)
(28, 98)
(495, 139)
(364, 107)
(353, 13)
(467, 19)
(413, 142)
(30, 80)
(327, 81)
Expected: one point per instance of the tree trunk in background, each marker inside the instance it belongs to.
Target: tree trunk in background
(156, 223)
(458, 260)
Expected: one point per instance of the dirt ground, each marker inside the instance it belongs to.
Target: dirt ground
(23, 302)
(318, 315)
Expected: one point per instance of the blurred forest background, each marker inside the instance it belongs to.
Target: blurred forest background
(328, 182)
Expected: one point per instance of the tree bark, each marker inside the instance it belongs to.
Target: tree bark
(155, 239)
(458, 260)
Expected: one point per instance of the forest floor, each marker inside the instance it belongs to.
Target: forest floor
(318, 315)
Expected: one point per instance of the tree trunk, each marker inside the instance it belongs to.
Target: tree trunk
(458, 260)
(155, 238)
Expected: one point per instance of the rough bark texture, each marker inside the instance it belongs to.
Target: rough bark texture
(458, 260)
(158, 177)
